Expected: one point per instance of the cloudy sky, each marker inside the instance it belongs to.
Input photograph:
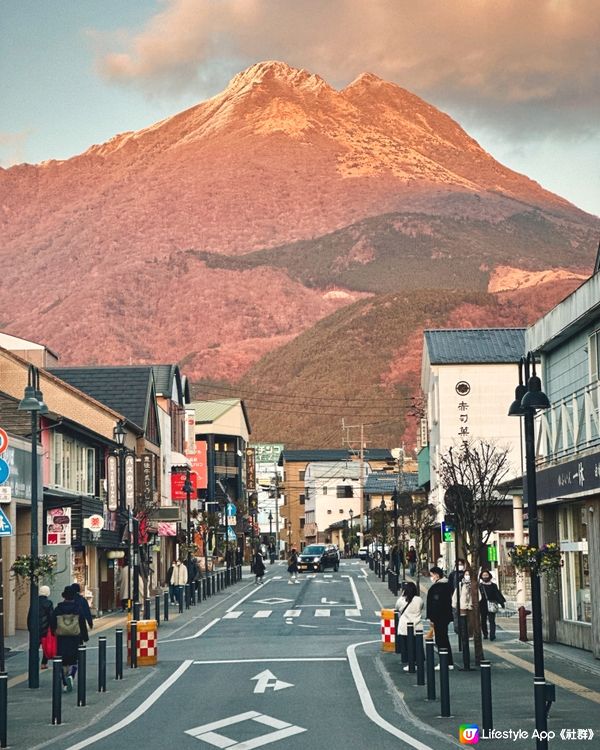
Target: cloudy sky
(521, 76)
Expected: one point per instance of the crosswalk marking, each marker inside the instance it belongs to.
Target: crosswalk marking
(322, 612)
(263, 613)
(352, 613)
(232, 615)
(293, 613)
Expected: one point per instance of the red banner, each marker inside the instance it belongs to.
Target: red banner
(177, 484)
(199, 463)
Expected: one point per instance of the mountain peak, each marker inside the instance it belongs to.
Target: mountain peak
(275, 72)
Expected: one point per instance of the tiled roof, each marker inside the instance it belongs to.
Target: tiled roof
(340, 454)
(125, 389)
(163, 379)
(475, 345)
(384, 482)
(209, 411)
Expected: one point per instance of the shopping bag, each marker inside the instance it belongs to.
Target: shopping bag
(48, 642)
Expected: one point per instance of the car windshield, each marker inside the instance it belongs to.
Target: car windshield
(313, 549)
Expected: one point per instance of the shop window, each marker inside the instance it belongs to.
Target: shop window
(575, 574)
(73, 465)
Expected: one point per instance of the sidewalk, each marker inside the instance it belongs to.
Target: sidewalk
(29, 711)
(574, 672)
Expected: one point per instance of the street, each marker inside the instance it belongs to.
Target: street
(273, 663)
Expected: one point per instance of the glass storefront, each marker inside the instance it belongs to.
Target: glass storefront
(575, 574)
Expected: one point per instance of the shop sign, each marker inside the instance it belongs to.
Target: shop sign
(130, 480)
(569, 478)
(250, 469)
(112, 482)
(178, 494)
(267, 453)
(199, 463)
(58, 526)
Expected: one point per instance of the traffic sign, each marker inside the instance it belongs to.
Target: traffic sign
(5, 494)
(3, 440)
(4, 471)
(6, 528)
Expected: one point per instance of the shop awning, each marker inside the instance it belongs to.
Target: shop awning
(178, 459)
(167, 529)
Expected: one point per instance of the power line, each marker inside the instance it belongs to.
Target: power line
(260, 395)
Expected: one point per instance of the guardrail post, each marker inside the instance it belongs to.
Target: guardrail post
(136, 611)
(102, 664)
(444, 683)
(420, 658)
(146, 609)
(3, 709)
(81, 675)
(57, 684)
(186, 594)
(119, 654)
(133, 643)
(180, 593)
(396, 634)
(157, 610)
(166, 606)
(430, 662)
(487, 723)
(410, 646)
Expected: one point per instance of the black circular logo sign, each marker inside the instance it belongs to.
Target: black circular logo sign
(463, 388)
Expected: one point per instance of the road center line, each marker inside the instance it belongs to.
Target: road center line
(367, 701)
(269, 659)
(191, 637)
(136, 713)
(354, 592)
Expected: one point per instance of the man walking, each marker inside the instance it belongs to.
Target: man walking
(439, 610)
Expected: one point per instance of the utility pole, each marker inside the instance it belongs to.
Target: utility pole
(361, 468)
(277, 542)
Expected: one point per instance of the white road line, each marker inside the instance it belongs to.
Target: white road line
(357, 602)
(139, 711)
(248, 595)
(232, 615)
(191, 637)
(352, 613)
(293, 613)
(322, 613)
(367, 701)
(263, 613)
(268, 660)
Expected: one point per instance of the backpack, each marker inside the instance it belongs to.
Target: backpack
(68, 625)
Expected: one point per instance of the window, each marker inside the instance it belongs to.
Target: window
(344, 490)
(324, 490)
(302, 523)
(575, 574)
(342, 511)
(594, 356)
(329, 510)
(302, 499)
(73, 465)
(301, 475)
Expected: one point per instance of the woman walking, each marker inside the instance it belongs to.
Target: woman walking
(293, 566)
(410, 607)
(490, 601)
(67, 623)
(47, 640)
(259, 566)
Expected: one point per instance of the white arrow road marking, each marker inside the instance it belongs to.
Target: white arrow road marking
(266, 679)
(324, 601)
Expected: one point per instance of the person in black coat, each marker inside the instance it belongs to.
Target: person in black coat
(491, 599)
(259, 566)
(84, 611)
(439, 610)
(67, 646)
(45, 609)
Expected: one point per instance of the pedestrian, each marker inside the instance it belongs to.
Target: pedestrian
(259, 566)
(293, 566)
(491, 599)
(66, 623)
(439, 610)
(411, 556)
(170, 583)
(410, 609)
(462, 602)
(84, 611)
(179, 577)
(47, 638)
(454, 579)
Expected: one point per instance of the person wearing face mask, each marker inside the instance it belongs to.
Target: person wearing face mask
(454, 580)
(462, 599)
(490, 601)
(439, 610)
(179, 578)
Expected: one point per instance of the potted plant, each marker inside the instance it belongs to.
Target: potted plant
(545, 559)
(43, 569)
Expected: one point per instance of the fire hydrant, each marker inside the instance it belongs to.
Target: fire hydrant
(523, 623)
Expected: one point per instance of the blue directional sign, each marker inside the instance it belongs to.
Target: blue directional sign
(4, 471)
(6, 528)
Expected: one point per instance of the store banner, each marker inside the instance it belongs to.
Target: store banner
(177, 484)
(199, 463)
(58, 527)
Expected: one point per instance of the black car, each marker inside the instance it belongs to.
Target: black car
(317, 557)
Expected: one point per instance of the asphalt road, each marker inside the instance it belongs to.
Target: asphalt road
(292, 666)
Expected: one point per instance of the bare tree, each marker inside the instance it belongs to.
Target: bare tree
(423, 523)
(471, 475)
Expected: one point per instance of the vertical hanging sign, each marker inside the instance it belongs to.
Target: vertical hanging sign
(112, 482)
(129, 480)
(250, 470)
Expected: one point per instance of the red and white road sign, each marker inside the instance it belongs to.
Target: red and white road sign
(3, 440)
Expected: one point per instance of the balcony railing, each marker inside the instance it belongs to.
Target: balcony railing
(570, 425)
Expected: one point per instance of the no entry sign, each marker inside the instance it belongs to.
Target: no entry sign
(3, 440)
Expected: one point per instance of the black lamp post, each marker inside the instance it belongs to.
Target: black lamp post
(350, 530)
(125, 514)
(188, 488)
(271, 555)
(33, 402)
(383, 535)
(529, 397)
(396, 548)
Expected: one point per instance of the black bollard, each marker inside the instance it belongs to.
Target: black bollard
(444, 683)
(487, 723)
(397, 635)
(136, 611)
(430, 662)
(81, 675)
(193, 593)
(180, 593)
(147, 609)
(133, 644)
(420, 658)
(119, 654)
(57, 685)
(102, 664)
(157, 610)
(410, 645)
(3, 709)
(166, 606)
(464, 637)
(186, 595)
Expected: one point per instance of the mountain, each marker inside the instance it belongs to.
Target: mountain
(220, 236)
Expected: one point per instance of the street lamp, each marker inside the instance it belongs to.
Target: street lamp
(529, 397)
(126, 514)
(188, 488)
(271, 555)
(33, 402)
(382, 509)
(351, 514)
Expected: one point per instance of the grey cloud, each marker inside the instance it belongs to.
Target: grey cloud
(516, 64)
